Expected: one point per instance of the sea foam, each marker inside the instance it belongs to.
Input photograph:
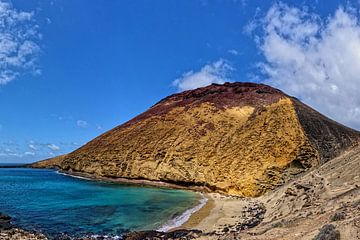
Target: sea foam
(184, 217)
(74, 176)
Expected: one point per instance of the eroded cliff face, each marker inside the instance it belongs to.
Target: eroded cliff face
(237, 138)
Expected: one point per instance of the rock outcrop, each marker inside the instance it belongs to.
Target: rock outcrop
(5, 223)
(8, 231)
(237, 138)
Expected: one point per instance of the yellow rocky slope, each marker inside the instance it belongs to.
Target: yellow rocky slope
(237, 138)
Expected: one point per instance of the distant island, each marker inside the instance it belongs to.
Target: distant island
(13, 165)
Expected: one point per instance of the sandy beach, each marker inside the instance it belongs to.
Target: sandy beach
(200, 215)
(219, 211)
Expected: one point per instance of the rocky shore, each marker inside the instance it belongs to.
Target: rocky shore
(9, 231)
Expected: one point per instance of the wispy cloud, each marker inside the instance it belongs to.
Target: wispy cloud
(32, 146)
(33, 150)
(18, 43)
(29, 153)
(81, 123)
(53, 147)
(233, 52)
(216, 72)
(314, 59)
(16, 154)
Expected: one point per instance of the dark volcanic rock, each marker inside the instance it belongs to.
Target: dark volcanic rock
(329, 137)
(253, 216)
(328, 232)
(151, 235)
(5, 222)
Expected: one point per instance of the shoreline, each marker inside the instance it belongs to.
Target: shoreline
(136, 182)
(189, 219)
(178, 222)
(197, 217)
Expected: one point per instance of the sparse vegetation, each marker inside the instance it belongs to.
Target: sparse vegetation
(277, 225)
(338, 216)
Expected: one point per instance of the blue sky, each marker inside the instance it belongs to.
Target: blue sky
(88, 66)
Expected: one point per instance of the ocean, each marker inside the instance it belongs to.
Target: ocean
(53, 203)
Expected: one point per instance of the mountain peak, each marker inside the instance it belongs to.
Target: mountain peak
(221, 96)
(228, 94)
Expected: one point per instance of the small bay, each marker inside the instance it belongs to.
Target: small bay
(52, 203)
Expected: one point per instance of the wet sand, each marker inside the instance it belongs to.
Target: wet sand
(200, 215)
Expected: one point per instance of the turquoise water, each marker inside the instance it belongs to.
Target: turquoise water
(44, 200)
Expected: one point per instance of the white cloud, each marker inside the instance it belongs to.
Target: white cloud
(53, 147)
(29, 153)
(317, 60)
(233, 52)
(18, 47)
(81, 123)
(216, 72)
(15, 154)
(32, 150)
(32, 146)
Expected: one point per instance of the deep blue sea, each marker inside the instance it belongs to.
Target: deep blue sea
(52, 203)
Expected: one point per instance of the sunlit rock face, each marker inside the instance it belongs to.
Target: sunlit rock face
(237, 138)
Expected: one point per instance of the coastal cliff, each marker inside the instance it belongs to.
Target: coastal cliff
(237, 138)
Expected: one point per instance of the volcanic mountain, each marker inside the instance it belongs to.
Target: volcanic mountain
(236, 138)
